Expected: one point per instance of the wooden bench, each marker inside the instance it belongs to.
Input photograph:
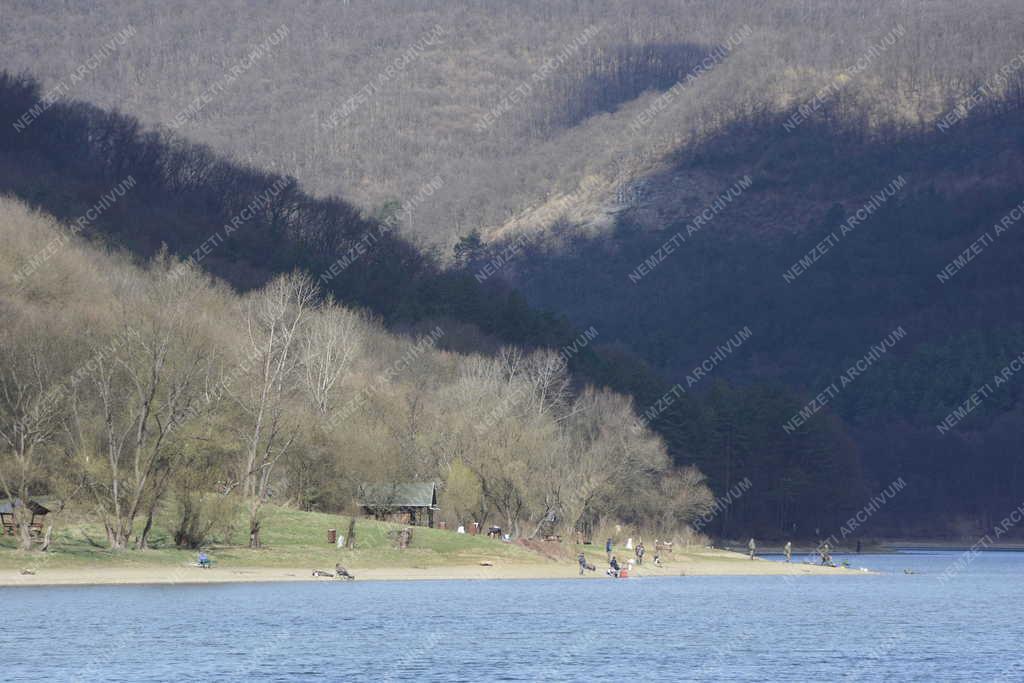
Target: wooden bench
(35, 529)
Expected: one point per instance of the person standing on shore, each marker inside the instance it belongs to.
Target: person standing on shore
(608, 549)
(858, 546)
(752, 547)
(788, 549)
(582, 559)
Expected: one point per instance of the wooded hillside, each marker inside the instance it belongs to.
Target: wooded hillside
(371, 100)
(125, 390)
(665, 173)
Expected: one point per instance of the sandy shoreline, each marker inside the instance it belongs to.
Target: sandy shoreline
(709, 564)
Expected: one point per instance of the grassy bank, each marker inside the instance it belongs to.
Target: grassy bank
(295, 543)
(291, 538)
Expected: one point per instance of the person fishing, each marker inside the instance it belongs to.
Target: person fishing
(608, 548)
(640, 551)
(788, 549)
(582, 560)
(614, 564)
(752, 547)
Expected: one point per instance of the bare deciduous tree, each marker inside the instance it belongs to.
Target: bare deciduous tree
(330, 346)
(32, 400)
(142, 384)
(273, 318)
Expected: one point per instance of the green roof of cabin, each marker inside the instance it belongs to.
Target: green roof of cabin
(399, 495)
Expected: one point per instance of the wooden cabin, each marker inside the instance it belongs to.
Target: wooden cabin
(409, 503)
(10, 528)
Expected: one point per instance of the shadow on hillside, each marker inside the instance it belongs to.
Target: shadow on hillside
(850, 293)
(624, 74)
(238, 223)
(805, 184)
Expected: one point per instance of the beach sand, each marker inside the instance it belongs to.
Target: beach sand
(702, 563)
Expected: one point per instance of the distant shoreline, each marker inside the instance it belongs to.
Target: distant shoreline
(894, 546)
(883, 547)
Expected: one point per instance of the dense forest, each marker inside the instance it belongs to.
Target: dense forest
(370, 100)
(501, 163)
(183, 196)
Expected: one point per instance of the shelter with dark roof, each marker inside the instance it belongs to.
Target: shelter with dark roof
(7, 508)
(409, 503)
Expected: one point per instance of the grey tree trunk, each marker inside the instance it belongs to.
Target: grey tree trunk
(350, 537)
(142, 542)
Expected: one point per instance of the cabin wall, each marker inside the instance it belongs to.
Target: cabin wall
(418, 516)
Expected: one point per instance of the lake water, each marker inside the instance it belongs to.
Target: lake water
(890, 627)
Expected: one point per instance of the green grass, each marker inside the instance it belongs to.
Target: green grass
(290, 538)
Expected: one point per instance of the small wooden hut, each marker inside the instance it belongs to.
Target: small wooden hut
(409, 503)
(7, 508)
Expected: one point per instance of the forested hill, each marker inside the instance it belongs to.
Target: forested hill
(111, 181)
(370, 100)
(844, 235)
(683, 177)
(239, 223)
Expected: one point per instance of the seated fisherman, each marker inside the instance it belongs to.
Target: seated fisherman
(204, 561)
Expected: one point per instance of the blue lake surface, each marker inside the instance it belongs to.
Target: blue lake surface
(890, 627)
